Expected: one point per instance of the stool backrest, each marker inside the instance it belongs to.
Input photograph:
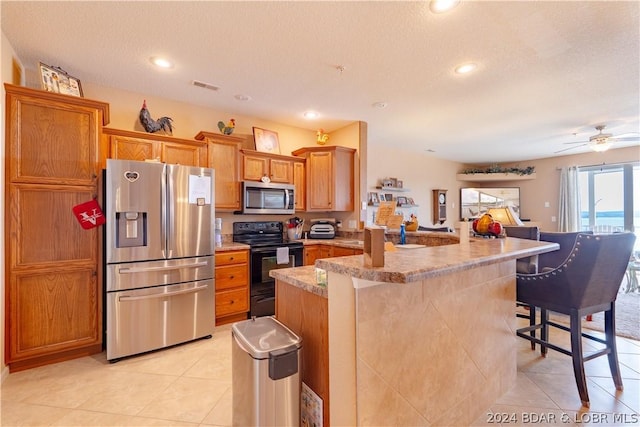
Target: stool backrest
(593, 271)
(566, 242)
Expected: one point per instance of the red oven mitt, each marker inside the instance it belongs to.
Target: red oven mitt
(89, 214)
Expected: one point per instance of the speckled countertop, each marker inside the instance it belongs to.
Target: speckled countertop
(232, 246)
(410, 265)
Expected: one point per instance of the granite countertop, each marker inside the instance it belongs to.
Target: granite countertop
(410, 265)
(338, 241)
(232, 246)
(301, 277)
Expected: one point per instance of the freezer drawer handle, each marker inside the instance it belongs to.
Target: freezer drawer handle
(164, 268)
(164, 294)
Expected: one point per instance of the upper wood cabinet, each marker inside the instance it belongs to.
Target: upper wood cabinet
(131, 145)
(276, 167)
(224, 157)
(329, 176)
(51, 140)
(300, 181)
(53, 280)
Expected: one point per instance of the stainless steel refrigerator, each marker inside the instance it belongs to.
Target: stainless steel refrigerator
(159, 255)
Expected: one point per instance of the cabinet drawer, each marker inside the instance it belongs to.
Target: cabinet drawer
(231, 276)
(232, 302)
(232, 257)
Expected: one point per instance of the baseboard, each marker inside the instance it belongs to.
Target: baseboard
(5, 374)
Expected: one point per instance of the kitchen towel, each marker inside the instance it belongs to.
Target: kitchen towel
(282, 255)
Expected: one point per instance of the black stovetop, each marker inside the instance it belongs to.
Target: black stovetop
(261, 234)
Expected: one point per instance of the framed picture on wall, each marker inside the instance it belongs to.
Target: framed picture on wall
(266, 141)
(55, 79)
(374, 198)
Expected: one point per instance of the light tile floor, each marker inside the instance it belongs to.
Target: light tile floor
(190, 385)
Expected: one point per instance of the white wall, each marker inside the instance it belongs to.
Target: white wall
(420, 173)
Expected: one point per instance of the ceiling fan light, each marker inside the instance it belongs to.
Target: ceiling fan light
(600, 146)
(441, 6)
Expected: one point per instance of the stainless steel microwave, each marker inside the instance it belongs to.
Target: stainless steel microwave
(268, 198)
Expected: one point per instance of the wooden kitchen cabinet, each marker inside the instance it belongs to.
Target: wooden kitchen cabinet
(131, 145)
(330, 177)
(340, 251)
(314, 252)
(232, 286)
(224, 157)
(276, 167)
(53, 286)
(311, 254)
(299, 180)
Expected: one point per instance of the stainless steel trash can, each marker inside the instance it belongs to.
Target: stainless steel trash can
(265, 363)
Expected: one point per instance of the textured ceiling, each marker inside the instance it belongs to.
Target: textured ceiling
(547, 70)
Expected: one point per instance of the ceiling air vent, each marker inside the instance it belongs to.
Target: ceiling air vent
(205, 85)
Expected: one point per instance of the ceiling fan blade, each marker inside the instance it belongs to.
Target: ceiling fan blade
(627, 139)
(624, 135)
(569, 148)
(577, 142)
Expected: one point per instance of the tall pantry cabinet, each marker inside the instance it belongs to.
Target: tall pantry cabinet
(53, 298)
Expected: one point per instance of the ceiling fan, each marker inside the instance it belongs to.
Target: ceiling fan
(602, 141)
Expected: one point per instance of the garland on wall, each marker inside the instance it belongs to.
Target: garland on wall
(500, 169)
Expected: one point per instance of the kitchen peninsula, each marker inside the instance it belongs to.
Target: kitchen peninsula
(428, 339)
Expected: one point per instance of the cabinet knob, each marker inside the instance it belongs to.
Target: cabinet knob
(230, 258)
(232, 277)
(232, 301)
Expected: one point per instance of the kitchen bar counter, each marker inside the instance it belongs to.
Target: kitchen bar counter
(428, 339)
(411, 265)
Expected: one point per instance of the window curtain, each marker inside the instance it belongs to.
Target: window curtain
(569, 203)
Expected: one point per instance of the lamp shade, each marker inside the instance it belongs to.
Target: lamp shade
(505, 216)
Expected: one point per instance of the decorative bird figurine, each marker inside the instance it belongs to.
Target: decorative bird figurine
(322, 137)
(150, 125)
(228, 128)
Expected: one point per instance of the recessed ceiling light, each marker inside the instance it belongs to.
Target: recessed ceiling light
(310, 115)
(241, 97)
(380, 104)
(465, 68)
(161, 62)
(441, 6)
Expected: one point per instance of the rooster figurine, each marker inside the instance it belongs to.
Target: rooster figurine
(228, 128)
(322, 137)
(150, 125)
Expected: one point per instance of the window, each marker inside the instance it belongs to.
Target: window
(609, 200)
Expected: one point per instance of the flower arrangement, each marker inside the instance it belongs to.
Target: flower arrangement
(499, 169)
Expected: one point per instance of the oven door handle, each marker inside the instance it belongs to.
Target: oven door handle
(163, 268)
(273, 249)
(164, 294)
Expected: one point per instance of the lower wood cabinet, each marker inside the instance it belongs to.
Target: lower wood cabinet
(232, 286)
(314, 252)
(307, 314)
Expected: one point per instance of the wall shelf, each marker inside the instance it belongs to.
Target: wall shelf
(396, 189)
(478, 177)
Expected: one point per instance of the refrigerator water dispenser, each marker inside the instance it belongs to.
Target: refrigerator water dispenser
(131, 229)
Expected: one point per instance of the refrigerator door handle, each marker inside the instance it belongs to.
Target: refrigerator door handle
(163, 294)
(162, 268)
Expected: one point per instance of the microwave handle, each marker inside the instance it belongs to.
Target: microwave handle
(286, 199)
